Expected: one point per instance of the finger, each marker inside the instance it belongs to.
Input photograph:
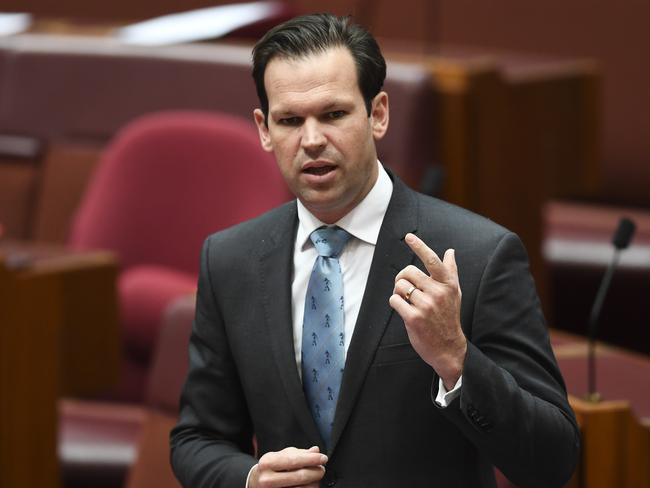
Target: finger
(429, 258)
(310, 485)
(299, 477)
(449, 260)
(401, 306)
(291, 459)
(414, 275)
(403, 287)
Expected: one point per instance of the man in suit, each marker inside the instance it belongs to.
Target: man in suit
(330, 330)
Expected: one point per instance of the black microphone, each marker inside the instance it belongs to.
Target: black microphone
(624, 234)
(621, 240)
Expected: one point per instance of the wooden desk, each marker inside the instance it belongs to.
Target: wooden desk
(615, 449)
(58, 335)
(615, 432)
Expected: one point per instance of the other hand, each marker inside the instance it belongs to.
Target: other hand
(289, 467)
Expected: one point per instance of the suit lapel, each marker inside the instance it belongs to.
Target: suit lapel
(391, 255)
(276, 265)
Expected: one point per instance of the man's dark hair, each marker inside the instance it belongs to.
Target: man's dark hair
(316, 33)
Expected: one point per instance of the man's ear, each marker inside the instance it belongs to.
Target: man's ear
(379, 115)
(263, 130)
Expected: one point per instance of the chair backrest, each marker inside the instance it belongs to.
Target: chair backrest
(168, 180)
(170, 362)
(168, 372)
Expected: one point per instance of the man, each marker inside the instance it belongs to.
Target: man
(330, 329)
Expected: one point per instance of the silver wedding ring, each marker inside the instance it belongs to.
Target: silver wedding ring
(407, 297)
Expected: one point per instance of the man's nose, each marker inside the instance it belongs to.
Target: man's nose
(313, 137)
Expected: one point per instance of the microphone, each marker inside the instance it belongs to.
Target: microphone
(624, 234)
(621, 240)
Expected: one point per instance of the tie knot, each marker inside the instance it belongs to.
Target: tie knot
(329, 241)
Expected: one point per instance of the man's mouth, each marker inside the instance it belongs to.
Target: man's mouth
(319, 170)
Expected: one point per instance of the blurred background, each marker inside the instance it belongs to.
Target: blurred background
(126, 138)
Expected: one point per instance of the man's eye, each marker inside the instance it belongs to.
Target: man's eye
(291, 121)
(337, 114)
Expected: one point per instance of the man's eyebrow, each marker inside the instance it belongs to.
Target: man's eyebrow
(335, 104)
(339, 103)
(282, 113)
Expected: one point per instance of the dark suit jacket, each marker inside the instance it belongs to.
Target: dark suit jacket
(388, 432)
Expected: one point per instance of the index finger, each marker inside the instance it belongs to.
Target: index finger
(429, 258)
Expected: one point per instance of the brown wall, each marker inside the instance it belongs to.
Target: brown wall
(615, 33)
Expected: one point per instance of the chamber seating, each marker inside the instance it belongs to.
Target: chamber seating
(73, 93)
(110, 445)
(167, 181)
(615, 431)
(151, 467)
(48, 298)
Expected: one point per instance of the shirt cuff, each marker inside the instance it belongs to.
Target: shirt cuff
(249, 475)
(444, 397)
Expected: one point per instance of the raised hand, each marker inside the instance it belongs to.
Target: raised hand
(430, 307)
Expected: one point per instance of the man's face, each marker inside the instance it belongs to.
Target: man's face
(320, 132)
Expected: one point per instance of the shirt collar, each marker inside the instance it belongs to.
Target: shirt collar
(363, 221)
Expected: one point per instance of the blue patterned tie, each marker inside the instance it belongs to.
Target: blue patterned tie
(323, 336)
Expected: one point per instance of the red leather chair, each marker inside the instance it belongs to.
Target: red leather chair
(102, 444)
(151, 466)
(165, 182)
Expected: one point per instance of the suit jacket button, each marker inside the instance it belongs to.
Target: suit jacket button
(330, 478)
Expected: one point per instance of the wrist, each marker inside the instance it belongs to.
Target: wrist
(450, 381)
(450, 368)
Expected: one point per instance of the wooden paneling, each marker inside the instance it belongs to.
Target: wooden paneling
(615, 446)
(18, 189)
(89, 341)
(58, 333)
(31, 320)
(152, 466)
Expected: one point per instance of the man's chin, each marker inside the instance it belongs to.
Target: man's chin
(324, 207)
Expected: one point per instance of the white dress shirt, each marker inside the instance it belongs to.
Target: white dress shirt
(363, 222)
